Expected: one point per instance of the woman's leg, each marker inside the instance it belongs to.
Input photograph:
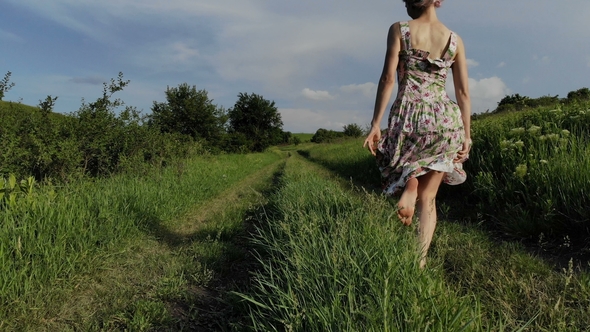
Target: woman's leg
(407, 202)
(427, 188)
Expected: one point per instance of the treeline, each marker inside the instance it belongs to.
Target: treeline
(326, 136)
(516, 102)
(106, 136)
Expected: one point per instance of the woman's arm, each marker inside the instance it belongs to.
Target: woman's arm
(461, 82)
(386, 84)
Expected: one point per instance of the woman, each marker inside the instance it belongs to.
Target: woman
(428, 135)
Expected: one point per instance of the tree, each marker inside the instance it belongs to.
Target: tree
(514, 102)
(5, 85)
(99, 132)
(353, 130)
(189, 111)
(580, 94)
(256, 121)
(325, 136)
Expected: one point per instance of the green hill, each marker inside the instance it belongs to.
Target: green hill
(11, 107)
(8, 105)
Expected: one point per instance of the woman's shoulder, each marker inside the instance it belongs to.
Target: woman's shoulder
(396, 24)
(438, 26)
(395, 28)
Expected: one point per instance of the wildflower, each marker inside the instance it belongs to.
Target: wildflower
(542, 138)
(543, 161)
(553, 137)
(519, 144)
(505, 144)
(534, 129)
(517, 131)
(521, 171)
(563, 141)
(565, 133)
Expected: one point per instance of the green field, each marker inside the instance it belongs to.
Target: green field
(303, 137)
(300, 239)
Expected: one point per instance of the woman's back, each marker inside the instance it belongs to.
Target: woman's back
(432, 37)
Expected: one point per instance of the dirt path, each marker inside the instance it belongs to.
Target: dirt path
(178, 278)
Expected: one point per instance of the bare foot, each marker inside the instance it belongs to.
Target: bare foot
(422, 263)
(407, 203)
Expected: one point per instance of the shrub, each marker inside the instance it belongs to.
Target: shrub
(353, 130)
(325, 136)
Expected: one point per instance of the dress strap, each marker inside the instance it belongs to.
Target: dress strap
(405, 31)
(452, 49)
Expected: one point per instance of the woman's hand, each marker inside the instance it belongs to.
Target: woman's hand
(463, 155)
(372, 140)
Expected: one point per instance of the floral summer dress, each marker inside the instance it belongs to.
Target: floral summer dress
(425, 128)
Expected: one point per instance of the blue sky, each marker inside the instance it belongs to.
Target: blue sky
(319, 60)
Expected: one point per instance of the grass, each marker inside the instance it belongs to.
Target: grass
(53, 235)
(509, 284)
(512, 284)
(177, 281)
(530, 173)
(10, 105)
(335, 260)
(304, 137)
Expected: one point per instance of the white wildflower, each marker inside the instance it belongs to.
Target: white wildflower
(534, 129)
(521, 171)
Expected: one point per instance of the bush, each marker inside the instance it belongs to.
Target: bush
(325, 136)
(353, 130)
(98, 139)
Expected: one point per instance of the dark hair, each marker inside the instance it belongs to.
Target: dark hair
(417, 7)
(419, 3)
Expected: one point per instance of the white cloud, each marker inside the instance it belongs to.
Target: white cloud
(542, 60)
(92, 80)
(472, 63)
(11, 37)
(501, 65)
(485, 93)
(183, 52)
(318, 95)
(178, 55)
(368, 89)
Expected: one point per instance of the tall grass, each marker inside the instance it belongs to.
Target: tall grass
(338, 261)
(511, 285)
(531, 172)
(348, 158)
(50, 235)
(528, 171)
